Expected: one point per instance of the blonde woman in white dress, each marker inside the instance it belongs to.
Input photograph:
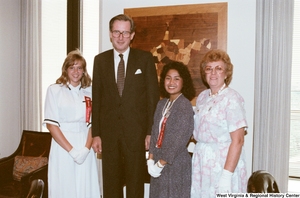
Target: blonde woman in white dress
(72, 168)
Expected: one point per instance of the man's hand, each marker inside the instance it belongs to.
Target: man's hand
(147, 142)
(97, 145)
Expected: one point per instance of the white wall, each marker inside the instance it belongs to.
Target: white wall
(10, 122)
(240, 46)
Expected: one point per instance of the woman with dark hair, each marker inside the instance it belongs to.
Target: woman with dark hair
(218, 163)
(72, 170)
(262, 181)
(169, 161)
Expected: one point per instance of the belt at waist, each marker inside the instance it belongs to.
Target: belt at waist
(73, 126)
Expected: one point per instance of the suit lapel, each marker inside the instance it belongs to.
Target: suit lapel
(130, 70)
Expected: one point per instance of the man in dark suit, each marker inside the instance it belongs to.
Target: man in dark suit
(123, 114)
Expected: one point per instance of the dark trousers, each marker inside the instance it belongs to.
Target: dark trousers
(123, 167)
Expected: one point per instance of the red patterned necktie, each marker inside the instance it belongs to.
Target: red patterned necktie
(121, 75)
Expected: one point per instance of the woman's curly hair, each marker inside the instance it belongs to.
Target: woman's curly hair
(187, 90)
(217, 55)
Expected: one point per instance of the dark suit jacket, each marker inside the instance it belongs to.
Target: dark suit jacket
(130, 116)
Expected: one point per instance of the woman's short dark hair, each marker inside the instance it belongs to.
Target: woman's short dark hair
(187, 88)
(217, 55)
(122, 17)
(71, 58)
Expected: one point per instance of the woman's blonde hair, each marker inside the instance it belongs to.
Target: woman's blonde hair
(71, 58)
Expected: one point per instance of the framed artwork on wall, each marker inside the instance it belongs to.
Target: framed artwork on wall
(183, 33)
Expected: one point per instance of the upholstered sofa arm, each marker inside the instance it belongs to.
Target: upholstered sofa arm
(40, 173)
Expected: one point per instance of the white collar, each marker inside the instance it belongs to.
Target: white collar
(125, 54)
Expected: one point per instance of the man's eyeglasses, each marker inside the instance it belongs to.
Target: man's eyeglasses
(218, 69)
(117, 33)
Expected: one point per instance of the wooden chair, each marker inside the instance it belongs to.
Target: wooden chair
(32, 144)
(36, 189)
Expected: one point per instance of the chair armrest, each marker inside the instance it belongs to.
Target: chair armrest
(36, 174)
(41, 173)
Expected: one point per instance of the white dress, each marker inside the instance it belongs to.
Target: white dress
(65, 107)
(215, 118)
